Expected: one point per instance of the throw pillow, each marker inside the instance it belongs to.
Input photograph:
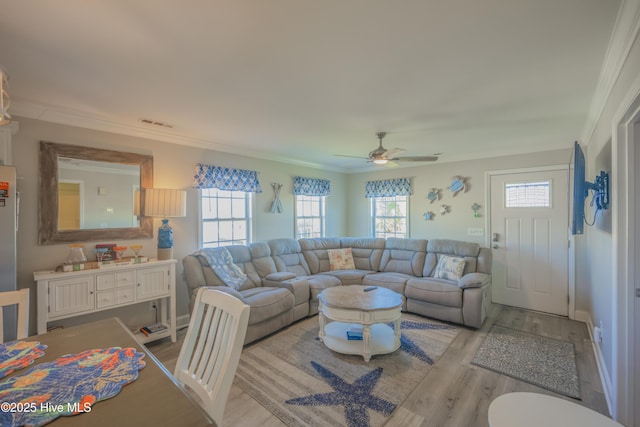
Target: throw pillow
(449, 268)
(340, 259)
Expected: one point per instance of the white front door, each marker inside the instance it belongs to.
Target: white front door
(529, 236)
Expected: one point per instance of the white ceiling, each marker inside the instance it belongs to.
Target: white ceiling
(302, 81)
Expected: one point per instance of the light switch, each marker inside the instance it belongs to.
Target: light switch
(475, 231)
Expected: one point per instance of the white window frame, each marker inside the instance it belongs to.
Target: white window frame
(321, 217)
(375, 216)
(248, 217)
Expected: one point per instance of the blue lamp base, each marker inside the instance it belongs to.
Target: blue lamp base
(165, 241)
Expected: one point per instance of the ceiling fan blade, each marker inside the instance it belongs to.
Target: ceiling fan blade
(353, 157)
(417, 159)
(393, 152)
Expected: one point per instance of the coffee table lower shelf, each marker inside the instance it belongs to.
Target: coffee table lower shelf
(382, 339)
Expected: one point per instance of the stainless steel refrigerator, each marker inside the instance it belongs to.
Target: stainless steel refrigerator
(8, 230)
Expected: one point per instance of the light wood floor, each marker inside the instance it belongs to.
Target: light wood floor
(454, 392)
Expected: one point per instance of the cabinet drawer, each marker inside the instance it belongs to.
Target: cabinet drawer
(105, 299)
(125, 278)
(125, 295)
(105, 281)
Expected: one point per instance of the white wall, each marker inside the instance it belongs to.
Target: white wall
(173, 168)
(597, 272)
(453, 225)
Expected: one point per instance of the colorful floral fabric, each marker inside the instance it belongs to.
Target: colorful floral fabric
(340, 259)
(69, 385)
(16, 355)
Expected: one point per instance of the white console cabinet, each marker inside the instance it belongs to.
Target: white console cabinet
(68, 294)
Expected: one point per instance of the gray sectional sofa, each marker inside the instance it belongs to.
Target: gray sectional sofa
(285, 276)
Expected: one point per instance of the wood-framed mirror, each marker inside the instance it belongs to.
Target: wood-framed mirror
(104, 188)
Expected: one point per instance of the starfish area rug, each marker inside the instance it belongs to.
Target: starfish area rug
(304, 383)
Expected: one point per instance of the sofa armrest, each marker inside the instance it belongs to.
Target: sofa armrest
(474, 280)
(280, 276)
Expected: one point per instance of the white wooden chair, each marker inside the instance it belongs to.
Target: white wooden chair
(211, 350)
(19, 298)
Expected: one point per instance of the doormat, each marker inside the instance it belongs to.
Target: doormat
(544, 362)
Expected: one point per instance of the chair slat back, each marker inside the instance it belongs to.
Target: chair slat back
(20, 298)
(211, 350)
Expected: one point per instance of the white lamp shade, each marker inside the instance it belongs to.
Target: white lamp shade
(165, 203)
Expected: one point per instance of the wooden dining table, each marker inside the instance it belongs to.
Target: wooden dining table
(153, 399)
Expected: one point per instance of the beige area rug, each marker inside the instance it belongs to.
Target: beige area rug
(304, 383)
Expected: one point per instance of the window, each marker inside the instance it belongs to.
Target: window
(528, 195)
(226, 217)
(309, 216)
(390, 216)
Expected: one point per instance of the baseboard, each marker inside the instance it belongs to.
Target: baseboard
(182, 321)
(605, 379)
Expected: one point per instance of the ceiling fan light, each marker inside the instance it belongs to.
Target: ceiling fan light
(380, 161)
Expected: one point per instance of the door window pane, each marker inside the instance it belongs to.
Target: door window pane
(528, 195)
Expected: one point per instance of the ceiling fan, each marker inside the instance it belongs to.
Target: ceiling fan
(380, 156)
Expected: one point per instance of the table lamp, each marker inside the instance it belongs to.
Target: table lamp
(165, 203)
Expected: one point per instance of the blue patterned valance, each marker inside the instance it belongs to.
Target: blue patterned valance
(388, 188)
(311, 186)
(207, 176)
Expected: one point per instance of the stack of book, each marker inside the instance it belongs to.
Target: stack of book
(354, 333)
(154, 329)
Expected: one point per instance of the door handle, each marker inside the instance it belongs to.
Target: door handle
(495, 246)
(638, 292)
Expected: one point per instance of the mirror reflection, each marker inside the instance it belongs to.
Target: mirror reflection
(97, 195)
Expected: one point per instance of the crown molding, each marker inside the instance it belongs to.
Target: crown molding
(624, 33)
(93, 122)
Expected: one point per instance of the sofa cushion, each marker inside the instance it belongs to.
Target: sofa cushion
(437, 248)
(267, 302)
(366, 252)
(261, 259)
(340, 259)
(320, 282)
(315, 252)
(287, 256)
(394, 281)
(404, 256)
(349, 277)
(435, 291)
(450, 268)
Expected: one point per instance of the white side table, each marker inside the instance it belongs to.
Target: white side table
(541, 410)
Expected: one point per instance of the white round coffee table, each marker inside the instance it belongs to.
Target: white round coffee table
(345, 308)
(541, 410)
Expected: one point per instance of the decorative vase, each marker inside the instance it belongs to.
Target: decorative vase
(165, 241)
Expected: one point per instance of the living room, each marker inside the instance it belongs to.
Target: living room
(599, 296)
